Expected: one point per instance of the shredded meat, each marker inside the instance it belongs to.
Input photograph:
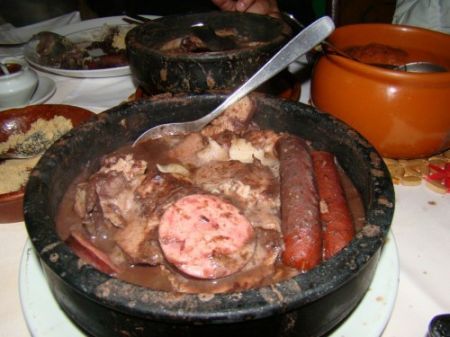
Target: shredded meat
(251, 186)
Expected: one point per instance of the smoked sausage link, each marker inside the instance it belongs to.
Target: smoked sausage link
(338, 228)
(302, 233)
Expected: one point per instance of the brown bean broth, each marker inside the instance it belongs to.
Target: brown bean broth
(158, 277)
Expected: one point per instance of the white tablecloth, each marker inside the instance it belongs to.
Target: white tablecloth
(421, 228)
(11, 34)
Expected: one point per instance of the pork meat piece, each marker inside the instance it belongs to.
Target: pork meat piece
(155, 193)
(236, 118)
(185, 151)
(116, 182)
(252, 187)
(139, 241)
(85, 199)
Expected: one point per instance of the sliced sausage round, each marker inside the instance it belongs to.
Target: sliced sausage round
(206, 237)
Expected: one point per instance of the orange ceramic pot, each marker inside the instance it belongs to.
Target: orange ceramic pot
(403, 114)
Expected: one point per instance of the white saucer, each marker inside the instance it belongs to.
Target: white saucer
(45, 89)
(45, 318)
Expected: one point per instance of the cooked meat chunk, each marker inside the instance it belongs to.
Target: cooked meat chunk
(158, 192)
(139, 242)
(236, 118)
(115, 184)
(244, 182)
(85, 199)
(185, 151)
(252, 187)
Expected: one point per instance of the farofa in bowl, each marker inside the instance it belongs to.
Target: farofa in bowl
(32, 130)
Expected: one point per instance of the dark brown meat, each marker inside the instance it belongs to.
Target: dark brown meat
(106, 61)
(300, 221)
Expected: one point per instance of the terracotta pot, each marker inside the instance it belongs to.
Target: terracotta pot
(404, 115)
(309, 304)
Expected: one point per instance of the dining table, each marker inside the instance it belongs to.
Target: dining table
(413, 276)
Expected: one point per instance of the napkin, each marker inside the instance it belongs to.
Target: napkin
(11, 34)
(431, 14)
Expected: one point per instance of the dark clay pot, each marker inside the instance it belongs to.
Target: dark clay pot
(159, 71)
(309, 304)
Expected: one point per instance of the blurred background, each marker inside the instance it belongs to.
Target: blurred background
(25, 12)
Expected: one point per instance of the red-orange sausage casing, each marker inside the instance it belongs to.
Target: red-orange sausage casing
(300, 222)
(337, 222)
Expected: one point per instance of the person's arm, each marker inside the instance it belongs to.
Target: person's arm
(266, 7)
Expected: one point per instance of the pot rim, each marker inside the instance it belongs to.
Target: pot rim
(13, 195)
(240, 306)
(383, 32)
(388, 75)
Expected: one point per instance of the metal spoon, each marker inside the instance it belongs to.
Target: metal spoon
(4, 68)
(307, 39)
(421, 67)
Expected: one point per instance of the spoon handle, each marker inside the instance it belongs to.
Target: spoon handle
(296, 47)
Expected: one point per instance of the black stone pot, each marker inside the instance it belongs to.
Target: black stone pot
(309, 304)
(159, 71)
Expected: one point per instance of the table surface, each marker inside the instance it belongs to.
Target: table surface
(421, 227)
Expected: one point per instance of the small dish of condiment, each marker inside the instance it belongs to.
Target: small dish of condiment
(32, 128)
(18, 83)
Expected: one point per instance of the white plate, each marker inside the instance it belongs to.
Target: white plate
(45, 89)
(73, 30)
(45, 318)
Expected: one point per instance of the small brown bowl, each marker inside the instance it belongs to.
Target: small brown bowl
(19, 120)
